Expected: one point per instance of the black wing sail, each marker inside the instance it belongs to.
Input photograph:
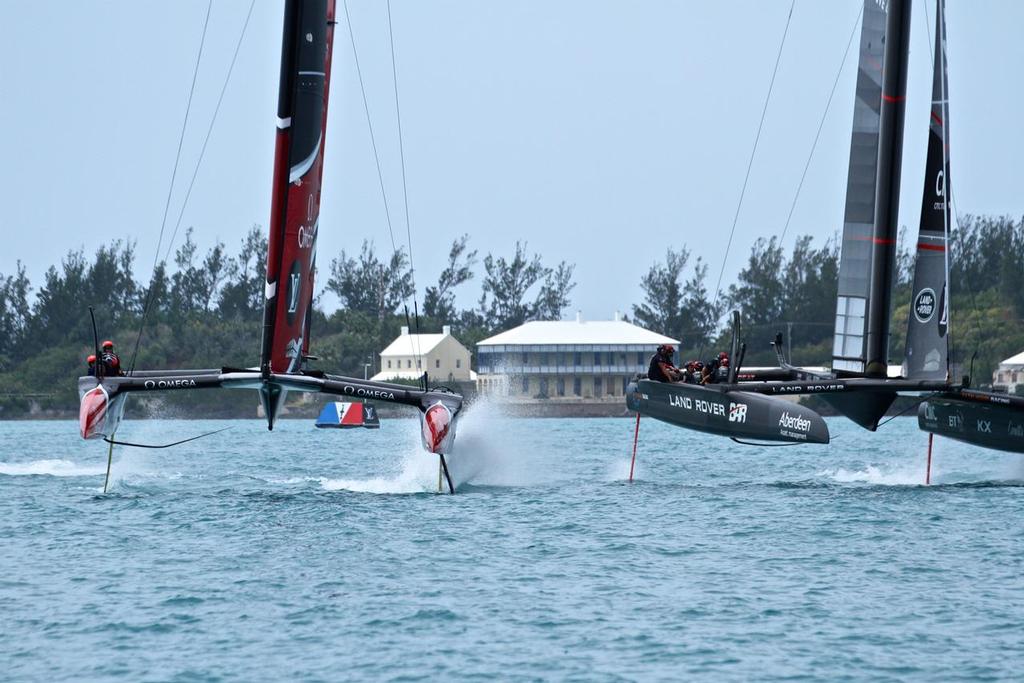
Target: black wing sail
(872, 197)
(928, 325)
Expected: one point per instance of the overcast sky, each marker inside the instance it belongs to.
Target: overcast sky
(599, 132)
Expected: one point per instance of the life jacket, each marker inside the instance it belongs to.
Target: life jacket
(112, 363)
(655, 371)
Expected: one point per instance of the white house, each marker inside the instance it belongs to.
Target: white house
(1009, 374)
(442, 356)
(565, 359)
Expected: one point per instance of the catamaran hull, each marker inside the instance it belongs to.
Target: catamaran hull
(737, 414)
(988, 420)
(99, 413)
(102, 402)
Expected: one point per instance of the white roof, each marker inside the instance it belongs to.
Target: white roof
(391, 375)
(413, 345)
(1014, 360)
(578, 332)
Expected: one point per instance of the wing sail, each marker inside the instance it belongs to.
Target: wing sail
(928, 325)
(872, 195)
(298, 165)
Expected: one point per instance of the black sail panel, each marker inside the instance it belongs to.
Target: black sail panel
(928, 325)
(872, 199)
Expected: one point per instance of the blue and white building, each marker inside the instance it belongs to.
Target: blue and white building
(565, 359)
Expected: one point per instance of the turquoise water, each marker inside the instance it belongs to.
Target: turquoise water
(312, 554)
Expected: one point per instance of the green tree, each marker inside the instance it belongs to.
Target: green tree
(506, 302)
(242, 294)
(14, 313)
(758, 293)
(439, 300)
(369, 285)
(662, 309)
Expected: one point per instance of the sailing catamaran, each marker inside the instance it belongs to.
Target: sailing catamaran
(747, 404)
(294, 225)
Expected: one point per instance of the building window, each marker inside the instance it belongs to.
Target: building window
(640, 358)
(458, 362)
(437, 363)
(389, 364)
(526, 357)
(597, 387)
(597, 358)
(419, 364)
(577, 360)
(526, 385)
(409, 363)
(577, 387)
(560, 386)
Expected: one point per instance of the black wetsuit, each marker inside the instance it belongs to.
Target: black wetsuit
(655, 371)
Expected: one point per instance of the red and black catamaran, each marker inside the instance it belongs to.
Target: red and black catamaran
(294, 225)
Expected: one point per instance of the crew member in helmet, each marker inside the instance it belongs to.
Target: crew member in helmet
(723, 367)
(92, 365)
(661, 368)
(112, 364)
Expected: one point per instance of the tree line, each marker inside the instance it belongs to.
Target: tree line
(204, 309)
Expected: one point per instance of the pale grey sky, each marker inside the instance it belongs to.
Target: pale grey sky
(599, 132)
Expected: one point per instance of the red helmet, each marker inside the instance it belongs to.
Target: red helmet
(723, 359)
(91, 358)
(107, 345)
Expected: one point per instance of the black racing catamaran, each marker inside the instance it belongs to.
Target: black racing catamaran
(748, 406)
(294, 224)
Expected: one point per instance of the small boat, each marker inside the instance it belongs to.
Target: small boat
(344, 415)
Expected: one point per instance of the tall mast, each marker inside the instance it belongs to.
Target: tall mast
(872, 202)
(298, 166)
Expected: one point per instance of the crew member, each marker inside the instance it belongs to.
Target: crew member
(111, 362)
(92, 365)
(723, 366)
(661, 368)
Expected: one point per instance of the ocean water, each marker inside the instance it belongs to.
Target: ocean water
(308, 554)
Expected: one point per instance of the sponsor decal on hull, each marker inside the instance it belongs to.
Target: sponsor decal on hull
(797, 422)
(697, 405)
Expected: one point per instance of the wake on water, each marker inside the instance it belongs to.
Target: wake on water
(481, 457)
(952, 463)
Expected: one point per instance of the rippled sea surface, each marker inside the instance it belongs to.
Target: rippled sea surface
(308, 554)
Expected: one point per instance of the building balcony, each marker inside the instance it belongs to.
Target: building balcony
(520, 370)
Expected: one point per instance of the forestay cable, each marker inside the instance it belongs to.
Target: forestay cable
(376, 158)
(209, 130)
(405, 188)
(170, 188)
(753, 153)
(821, 124)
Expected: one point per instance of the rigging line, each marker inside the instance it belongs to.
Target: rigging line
(209, 130)
(369, 123)
(170, 188)
(907, 409)
(405, 186)
(821, 125)
(753, 152)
